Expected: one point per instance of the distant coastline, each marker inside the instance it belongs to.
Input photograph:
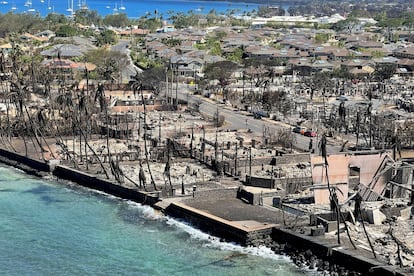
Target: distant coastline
(133, 9)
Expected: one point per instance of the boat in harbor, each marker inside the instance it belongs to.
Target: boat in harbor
(122, 7)
(28, 4)
(82, 5)
(115, 10)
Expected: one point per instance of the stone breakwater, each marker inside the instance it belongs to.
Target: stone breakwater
(305, 251)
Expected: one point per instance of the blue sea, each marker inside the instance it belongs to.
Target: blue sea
(133, 8)
(57, 228)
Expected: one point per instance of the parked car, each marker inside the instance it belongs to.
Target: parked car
(310, 133)
(342, 98)
(299, 129)
(260, 114)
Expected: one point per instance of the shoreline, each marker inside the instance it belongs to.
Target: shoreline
(302, 249)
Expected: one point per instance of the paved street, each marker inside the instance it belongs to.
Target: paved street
(130, 69)
(240, 119)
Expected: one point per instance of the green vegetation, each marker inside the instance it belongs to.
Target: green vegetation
(106, 37)
(321, 38)
(404, 19)
(66, 31)
(236, 56)
(180, 20)
(347, 24)
(108, 63)
(20, 23)
(117, 20)
(212, 43)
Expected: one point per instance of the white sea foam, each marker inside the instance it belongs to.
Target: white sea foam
(214, 242)
(210, 241)
(147, 211)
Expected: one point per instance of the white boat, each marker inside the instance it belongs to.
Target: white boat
(28, 4)
(4, 2)
(70, 8)
(82, 5)
(115, 10)
(13, 7)
(122, 7)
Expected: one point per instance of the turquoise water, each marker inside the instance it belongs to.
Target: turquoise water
(133, 8)
(51, 228)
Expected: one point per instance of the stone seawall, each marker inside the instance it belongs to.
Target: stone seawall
(26, 164)
(103, 185)
(333, 253)
(231, 231)
(40, 168)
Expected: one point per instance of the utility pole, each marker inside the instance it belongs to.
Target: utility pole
(159, 131)
(235, 162)
(250, 165)
(166, 84)
(191, 142)
(203, 144)
(216, 150)
(176, 87)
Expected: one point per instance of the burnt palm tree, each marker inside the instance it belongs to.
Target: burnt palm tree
(100, 96)
(137, 86)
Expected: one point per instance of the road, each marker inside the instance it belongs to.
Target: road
(130, 70)
(239, 119)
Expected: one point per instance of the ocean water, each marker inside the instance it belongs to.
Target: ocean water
(56, 228)
(133, 8)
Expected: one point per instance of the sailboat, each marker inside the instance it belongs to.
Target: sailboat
(28, 4)
(122, 7)
(82, 5)
(116, 8)
(70, 8)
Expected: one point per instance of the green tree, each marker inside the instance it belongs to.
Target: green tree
(88, 17)
(55, 19)
(384, 71)
(106, 37)
(236, 55)
(180, 20)
(151, 24)
(151, 78)
(108, 63)
(321, 38)
(116, 20)
(221, 71)
(19, 23)
(66, 31)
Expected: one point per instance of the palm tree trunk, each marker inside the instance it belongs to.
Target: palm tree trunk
(145, 140)
(93, 151)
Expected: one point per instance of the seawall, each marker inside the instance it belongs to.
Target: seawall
(93, 182)
(39, 168)
(26, 164)
(348, 258)
(242, 232)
